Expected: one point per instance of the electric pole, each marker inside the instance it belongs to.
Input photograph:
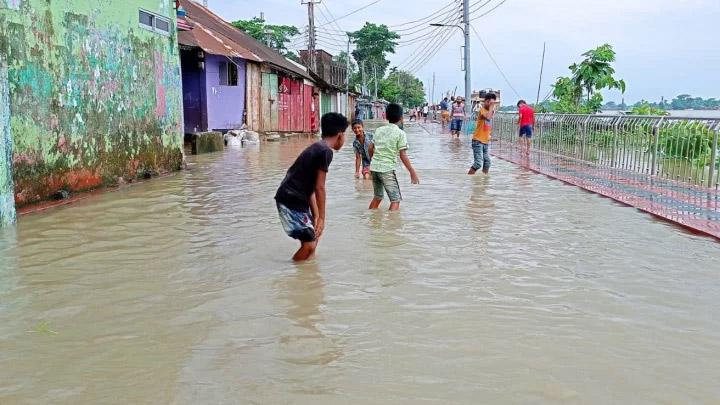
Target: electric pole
(432, 96)
(468, 64)
(347, 77)
(311, 32)
(542, 67)
(375, 79)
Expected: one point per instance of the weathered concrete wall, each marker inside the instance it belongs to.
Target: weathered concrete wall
(93, 96)
(7, 203)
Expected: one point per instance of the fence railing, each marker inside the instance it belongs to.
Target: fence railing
(680, 149)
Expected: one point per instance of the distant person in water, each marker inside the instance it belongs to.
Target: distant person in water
(361, 146)
(458, 115)
(301, 196)
(389, 142)
(481, 136)
(444, 112)
(526, 122)
(412, 114)
(425, 112)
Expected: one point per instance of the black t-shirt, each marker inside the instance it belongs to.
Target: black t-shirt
(299, 183)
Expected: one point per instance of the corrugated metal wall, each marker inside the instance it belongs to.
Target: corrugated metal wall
(253, 94)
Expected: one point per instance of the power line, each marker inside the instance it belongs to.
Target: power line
(494, 61)
(430, 17)
(330, 20)
(419, 64)
(448, 20)
(489, 11)
(357, 11)
(428, 50)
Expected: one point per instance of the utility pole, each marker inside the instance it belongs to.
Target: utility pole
(364, 84)
(542, 67)
(375, 79)
(432, 96)
(347, 77)
(468, 64)
(311, 32)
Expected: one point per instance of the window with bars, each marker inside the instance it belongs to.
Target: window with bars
(228, 74)
(153, 22)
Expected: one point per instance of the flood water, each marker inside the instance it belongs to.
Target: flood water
(511, 288)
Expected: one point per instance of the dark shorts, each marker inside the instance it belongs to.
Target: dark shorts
(526, 131)
(456, 124)
(297, 224)
(386, 182)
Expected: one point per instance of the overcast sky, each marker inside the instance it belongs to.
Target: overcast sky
(664, 47)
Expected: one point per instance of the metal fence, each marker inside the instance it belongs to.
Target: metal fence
(679, 149)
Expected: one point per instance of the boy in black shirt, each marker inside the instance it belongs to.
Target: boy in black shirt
(301, 196)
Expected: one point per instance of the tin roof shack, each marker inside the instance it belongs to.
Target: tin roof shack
(94, 93)
(329, 77)
(230, 75)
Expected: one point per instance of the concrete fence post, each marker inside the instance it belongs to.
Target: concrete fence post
(714, 157)
(656, 142)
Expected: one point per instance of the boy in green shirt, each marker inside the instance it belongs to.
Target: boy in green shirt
(389, 142)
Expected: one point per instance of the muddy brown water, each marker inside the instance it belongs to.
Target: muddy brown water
(511, 288)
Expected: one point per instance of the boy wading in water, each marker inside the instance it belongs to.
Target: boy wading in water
(301, 196)
(458, 115)
(361, 146)
(481, 136)
(526, 122)
(389, 142)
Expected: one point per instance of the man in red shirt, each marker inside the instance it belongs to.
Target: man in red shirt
(526, 122)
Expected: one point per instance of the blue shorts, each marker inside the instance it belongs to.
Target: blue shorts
(456, 124)
(386, 182)
(297, 224)
(526, 131)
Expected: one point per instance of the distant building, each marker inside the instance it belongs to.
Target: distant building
(229, 79)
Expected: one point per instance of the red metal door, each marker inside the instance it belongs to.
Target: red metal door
(284, 104)
(307, 110)
(296, 106)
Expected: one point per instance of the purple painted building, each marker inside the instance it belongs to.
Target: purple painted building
(213, 91)
(214, 77)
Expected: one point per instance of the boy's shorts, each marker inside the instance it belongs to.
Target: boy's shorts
(456, 124)
(386, 182)
(445, 115)
(297, 224)
(526, 131)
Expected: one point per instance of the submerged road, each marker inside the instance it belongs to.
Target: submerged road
(508, 288)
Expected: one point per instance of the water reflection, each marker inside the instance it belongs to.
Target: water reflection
(303, 292)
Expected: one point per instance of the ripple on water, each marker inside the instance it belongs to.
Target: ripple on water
(503, 288)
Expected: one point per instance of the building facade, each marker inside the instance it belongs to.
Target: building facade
(92, 91)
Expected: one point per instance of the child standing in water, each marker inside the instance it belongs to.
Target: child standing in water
(389, 142)
(481, 136)
(301, 196)
(361, 146)
(458, 115)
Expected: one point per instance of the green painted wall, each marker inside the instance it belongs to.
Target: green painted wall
(93, 96)
(7, 202)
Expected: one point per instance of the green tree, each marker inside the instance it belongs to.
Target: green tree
(403, 88)
(372, 45)
(646, 108)
(278, 35)
(580, 93)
